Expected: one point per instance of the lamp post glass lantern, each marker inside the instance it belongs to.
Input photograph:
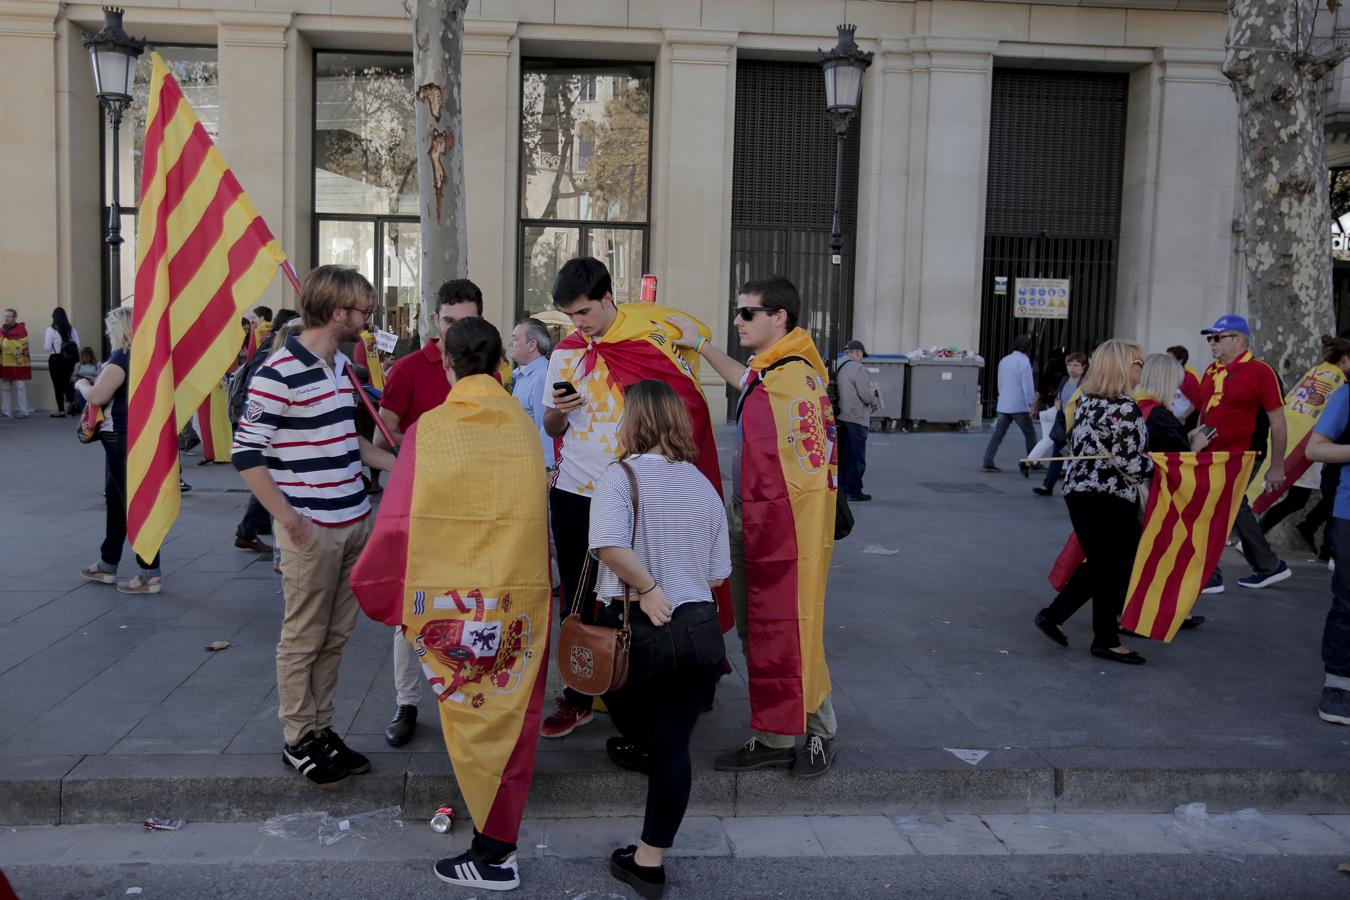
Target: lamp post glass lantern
(113, 54)
(843, 65)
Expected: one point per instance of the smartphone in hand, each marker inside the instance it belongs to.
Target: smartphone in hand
(566, 387)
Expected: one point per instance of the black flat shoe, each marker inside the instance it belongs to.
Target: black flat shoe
(1024, 469)
(648, 881)
(627, 755)
(1050, 629)
(1192, 622)
(1129, 658)
(1043, 491)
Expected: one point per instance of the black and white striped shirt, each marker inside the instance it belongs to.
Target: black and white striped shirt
(682, 528)
(300, 422)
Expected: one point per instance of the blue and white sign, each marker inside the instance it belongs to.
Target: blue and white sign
(1041, 298)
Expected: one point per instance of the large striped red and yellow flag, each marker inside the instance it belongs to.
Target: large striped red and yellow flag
(203, 256)
(1192, 503)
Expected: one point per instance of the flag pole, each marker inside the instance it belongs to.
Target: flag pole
(294, 279)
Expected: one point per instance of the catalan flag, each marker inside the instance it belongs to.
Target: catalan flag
(1192, 503)
(203, 256)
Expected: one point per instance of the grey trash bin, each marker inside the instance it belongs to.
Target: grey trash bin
(887, 371)
(942, 391)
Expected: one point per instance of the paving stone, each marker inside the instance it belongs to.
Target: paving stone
(117, 843)
(589, 838)
(859, 836)
(935, 834)
(758, 836)
(1039, 834)
(34, 844)
(1116, 833)
(701, 836)
(217, 842)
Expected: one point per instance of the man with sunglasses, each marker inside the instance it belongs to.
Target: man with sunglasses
(1241, 399)
(297, 449)
(416, 385)
(781, 526)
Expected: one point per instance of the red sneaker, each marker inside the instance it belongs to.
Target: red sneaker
(564, 720)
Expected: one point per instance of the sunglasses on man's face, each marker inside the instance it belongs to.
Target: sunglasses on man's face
(1215, 338)
(747, 313)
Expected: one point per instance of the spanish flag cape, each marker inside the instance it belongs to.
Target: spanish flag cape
(636, 347)
(364, 355)
(459, 560)
(1302, 408)
(788, 495)
(15, 364)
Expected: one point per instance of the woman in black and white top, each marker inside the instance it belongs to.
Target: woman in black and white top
(61, 343)
(680, 553)
(1103, 495)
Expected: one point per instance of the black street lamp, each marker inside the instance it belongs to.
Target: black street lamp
(113, 53)
(844, 66)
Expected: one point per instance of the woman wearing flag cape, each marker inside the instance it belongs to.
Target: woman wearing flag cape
(459, 560)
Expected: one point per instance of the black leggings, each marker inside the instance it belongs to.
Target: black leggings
(1108, 530)
(570, 517)
(115, 501)
(671, 670)
(60, 368)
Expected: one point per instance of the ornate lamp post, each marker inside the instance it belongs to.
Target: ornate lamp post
(113, 53)
(844, 66)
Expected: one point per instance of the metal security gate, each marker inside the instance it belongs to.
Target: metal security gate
(1056, 158)
(783, 191)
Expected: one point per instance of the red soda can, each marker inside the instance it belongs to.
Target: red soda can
(444, 819)
(648, 291)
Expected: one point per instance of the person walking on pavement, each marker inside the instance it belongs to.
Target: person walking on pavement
(1016, 402)
(416, 385)
(1329, 444)
(1240, 399)
(62, 345)
(1076, 365)
(668, 563)
(857, 402)
(110, 391)
(16, 368)
(781, 527)
(1102, 495)
(297, 449)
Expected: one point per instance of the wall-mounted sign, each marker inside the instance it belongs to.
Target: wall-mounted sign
(1042, 298)
(1000, 285)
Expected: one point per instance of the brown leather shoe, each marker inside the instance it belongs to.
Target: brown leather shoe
(252, 544)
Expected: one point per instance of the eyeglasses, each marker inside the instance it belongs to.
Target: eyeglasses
(747, 313)
(363, 310)
(1215, 338)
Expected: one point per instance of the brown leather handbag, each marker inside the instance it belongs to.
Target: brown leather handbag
(593, 659)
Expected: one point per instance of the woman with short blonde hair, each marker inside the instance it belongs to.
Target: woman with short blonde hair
(1101, 490)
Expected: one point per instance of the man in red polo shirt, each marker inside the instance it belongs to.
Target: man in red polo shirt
(1240, 397)
(418, 384)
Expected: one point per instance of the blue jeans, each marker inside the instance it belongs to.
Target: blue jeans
(1336, 633)
(1053, 469)
(1023, 420)
(852, 457)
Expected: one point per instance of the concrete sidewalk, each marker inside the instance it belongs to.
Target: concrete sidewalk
(112, 710)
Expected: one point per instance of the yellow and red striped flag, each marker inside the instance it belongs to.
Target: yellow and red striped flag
(1192, 503)
(203, 256)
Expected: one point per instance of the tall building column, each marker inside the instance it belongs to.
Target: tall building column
(254, 135)
(1179, 194)
(948, 170)
(491, 126)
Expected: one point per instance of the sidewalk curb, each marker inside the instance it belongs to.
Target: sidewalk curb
(235, 788)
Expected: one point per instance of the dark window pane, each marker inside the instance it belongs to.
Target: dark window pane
(544, 251)
(585, 142)
(365, 135)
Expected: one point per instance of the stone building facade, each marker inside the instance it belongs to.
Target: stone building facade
(271, 73)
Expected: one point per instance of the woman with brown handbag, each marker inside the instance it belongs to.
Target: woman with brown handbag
(665, 561)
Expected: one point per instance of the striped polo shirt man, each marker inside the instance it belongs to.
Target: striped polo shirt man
(297, 449)
(300, 422)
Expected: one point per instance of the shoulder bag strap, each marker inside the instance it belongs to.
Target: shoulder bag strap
(632, 542)
(740, 403)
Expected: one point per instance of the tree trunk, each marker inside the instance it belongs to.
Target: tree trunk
(1286, 207)
(438, 43)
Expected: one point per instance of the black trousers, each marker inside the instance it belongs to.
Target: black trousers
(115, 500)
(1336, 633)
(852, 457)
(671, 669)
(1108, 529)
(256, 520)
(570, 516)
(60, 369)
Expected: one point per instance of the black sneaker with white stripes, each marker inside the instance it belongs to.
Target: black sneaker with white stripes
(342, 756)
(311, 759)
(468, 870)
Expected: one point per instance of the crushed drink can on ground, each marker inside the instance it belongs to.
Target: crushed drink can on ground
(444, 820)
(164, 824)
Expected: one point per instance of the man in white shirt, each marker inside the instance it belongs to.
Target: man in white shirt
(1016, 401)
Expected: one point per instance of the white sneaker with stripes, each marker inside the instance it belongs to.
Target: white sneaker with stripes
(468, 871)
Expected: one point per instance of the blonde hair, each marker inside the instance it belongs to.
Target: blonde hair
(655, 421)
(118, 325)
(1160, 379)
(1108, 374)
(328, 289)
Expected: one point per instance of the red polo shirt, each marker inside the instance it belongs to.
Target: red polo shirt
(416, 384)
(1234, 399)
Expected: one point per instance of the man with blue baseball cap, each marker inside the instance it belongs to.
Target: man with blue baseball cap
(1241, 399)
